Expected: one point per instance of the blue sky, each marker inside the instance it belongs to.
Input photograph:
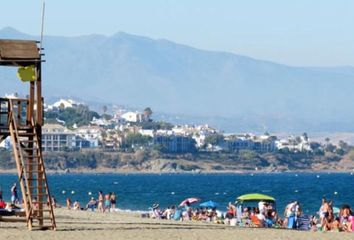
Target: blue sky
(301, 32)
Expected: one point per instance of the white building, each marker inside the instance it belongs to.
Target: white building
(65, 103)
(134, 117)
(147, 132)
(92, 134)
(56, 137)
(293, 144)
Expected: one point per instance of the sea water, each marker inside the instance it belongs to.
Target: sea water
(140, 191)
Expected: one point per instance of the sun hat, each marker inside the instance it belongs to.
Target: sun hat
(155, 205)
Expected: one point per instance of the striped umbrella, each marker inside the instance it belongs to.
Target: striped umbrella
(189, 201)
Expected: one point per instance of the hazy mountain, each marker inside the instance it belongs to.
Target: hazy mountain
(234, 92)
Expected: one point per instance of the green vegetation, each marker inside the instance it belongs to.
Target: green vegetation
(136, 139)
(214, 139)
(146, 160)
(161, 125)
(80, 115)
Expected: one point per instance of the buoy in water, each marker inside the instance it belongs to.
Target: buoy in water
(63, 192)
(90, 193)
(335, 193)
(73, 192)
(172, 193)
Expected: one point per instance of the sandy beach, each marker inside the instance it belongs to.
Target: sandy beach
(121, 225)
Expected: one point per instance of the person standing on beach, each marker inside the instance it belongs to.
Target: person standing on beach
(14, 197)
(113, 200)
(68, 203)
(100, 202)
(107, 202)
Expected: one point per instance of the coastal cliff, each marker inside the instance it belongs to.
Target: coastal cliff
(156, 162)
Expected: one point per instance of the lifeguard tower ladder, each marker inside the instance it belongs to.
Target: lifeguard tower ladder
(22, 120)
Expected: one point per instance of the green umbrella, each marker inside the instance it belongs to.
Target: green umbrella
(255, 197)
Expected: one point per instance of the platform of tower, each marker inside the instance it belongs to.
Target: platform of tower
(22, 120)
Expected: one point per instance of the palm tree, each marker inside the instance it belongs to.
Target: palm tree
(104, 108)
(147, 113)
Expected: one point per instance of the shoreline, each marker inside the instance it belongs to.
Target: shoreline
(109, 171)
(124, 225)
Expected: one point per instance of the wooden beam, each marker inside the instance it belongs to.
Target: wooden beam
(39, 96)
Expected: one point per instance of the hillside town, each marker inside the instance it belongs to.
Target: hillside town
(133, 130)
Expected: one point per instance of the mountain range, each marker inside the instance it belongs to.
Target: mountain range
(229, 91)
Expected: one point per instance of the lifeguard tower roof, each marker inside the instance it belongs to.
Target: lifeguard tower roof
(18, 52)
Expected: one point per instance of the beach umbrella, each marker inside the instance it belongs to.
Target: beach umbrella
(255, 197)
(189, 200)
(209, 204)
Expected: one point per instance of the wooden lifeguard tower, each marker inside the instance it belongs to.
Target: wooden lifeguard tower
(22, 120)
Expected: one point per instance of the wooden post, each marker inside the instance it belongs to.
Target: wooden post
(39, 95)
(31, 102)
(38, 125)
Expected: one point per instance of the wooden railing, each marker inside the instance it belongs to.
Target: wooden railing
(21, 112)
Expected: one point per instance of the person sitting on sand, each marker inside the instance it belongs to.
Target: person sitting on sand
(11, 206)
(2, 204)
(168, 213)
(156, 212)
(91, 204)
(271, 218)
(257, 218)
(290, 214)
(76, 205)
(346, 219)
(231, 211)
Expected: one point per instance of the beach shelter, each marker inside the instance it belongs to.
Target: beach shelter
(209, 204)
(21, 119)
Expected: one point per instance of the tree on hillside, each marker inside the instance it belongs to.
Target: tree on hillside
(147, 113)
(61, 106)
(80, 115)
(136, 139)
(304, 135)
(214, 139)
(104, 109)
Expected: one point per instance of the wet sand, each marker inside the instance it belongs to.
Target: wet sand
(121, 225)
